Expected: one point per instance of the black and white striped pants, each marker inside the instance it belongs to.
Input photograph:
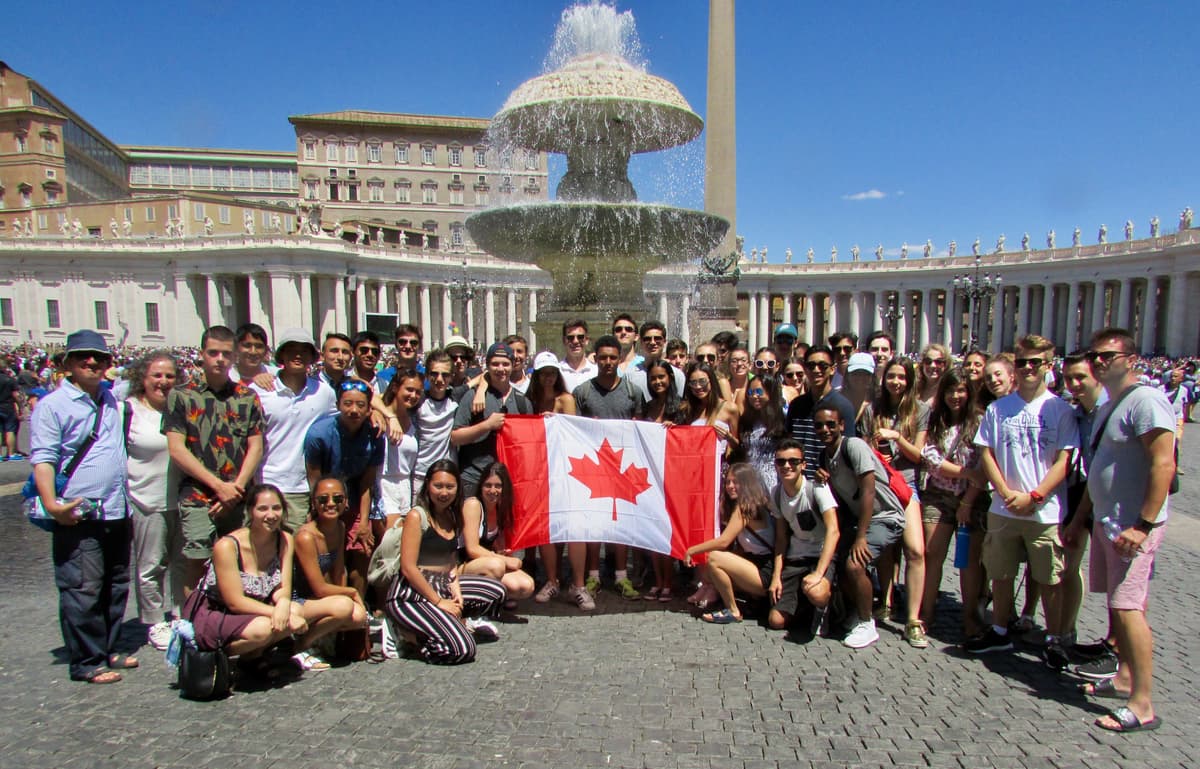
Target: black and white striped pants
(442, 637)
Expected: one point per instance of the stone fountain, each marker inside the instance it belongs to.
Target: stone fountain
(595, 239)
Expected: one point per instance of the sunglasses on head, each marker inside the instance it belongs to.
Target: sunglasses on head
(354, 384)
(792, 462)
(766, 363)
(325, 499)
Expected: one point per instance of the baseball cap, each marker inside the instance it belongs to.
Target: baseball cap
(545, 359)
(499, 350)
(861, 361)
(296, 336)
(787, 329)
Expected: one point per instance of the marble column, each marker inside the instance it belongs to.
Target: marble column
(213, 300)
(950, 318)
(684, 330)
(1070, 341)
(1046, 327)
(1149, 324)
(285, 304)
(468, 325)
(833, 320)
(855, 300)
(904, 304)
(764, 321)
(306, 301)
(1126, 313)
(1176, 314)
(1097, 310)
(510, 311)
(808, 317)
(360, 305)
(381, 304)
(531, 305)
(341, 321)
(788, 302)
(402, 310)
(187, 316)
(1000, 321)
(752, 321)
(426, 315)
(928, 316)
(489, 316)
(444, 328)
(1024, 310)
(663, 312)
(257, 283)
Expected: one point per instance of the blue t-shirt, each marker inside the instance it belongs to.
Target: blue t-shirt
(327, 445)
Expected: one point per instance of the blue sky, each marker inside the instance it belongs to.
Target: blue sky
(966, 119)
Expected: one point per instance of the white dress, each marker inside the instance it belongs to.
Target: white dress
(396, 477)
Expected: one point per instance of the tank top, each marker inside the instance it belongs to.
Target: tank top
(436, 550)
(758, 541)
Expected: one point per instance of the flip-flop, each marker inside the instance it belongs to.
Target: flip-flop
(307, 661)
(1103, 688)
(722, 617)
(122, 662)
(1128, 722)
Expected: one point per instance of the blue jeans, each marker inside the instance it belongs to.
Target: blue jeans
(91, 571)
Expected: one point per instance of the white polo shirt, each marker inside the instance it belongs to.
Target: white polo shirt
(575, 377)
(288, 416)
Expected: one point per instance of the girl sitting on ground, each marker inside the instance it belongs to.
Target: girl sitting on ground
(487, 518)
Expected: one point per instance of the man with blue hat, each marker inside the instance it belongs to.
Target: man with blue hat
(77, 428)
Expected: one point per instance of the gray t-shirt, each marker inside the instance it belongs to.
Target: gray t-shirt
(474, 458)
(891, 449)
(854, 459)
(803, 514)
(623, 401)
(1119, 473)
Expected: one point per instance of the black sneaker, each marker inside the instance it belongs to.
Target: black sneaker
(988, 641)
(1099, 669)
(1055, 656)
(1090, 652)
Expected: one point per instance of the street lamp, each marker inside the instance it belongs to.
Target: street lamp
(975, 289)
(464, 288)
(889, 314)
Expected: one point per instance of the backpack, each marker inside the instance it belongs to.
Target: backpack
(385, 561)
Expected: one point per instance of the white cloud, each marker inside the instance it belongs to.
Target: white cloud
(871, 194)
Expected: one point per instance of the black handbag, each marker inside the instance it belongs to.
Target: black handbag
(203, 674)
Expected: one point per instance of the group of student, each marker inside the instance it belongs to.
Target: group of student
(279, 505)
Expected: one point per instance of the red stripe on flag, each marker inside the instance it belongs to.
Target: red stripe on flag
(690, 486)
(521, 446)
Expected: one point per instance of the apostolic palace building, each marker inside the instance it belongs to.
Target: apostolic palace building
(363, 226)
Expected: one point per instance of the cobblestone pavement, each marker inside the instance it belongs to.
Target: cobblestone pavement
(633, 685)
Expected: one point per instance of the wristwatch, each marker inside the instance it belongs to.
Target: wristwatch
(1145, 526)
(1037, 497)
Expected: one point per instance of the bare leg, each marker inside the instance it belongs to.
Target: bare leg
(971, 581)
(1136, 671)
(518, 584)
(1072, 587)
(256, 637)
(857, 586)
(1002, 601)
(885, 568)
(356, 571)
(914, 561)
(937, 544)
(729, 571)
(1052, 606)
(578, 554)
(329, 615)
(550, 561)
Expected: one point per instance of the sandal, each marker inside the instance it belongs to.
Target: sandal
(1103, 688)
(122, 662)
(664, 595)
(307, 661)
(722, 617)
(651, 594)
(99, 676)
(1127, 721)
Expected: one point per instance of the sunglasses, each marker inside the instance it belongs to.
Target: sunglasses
(707, 358)
(407, 342)
(828, 425)
(654, 338)
(881, 351)
(1105, 357)
(844, 348)
(368, 351)
(792, 373)
(934, 362)
(624, 330)
(699, 384)
(325, 499)
(758, 392)
(459, 356)
(437, 374)
(817, 365)
(1030, 362)
(766, 363)
(575, 337)
(791, 462)
(354, 384)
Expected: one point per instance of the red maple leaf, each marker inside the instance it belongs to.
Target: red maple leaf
(604, 478)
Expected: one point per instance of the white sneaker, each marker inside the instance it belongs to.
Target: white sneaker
(548, 592)
(863, 634)
(387, 641)
(482, 629)
(581, 598)
(159, 635)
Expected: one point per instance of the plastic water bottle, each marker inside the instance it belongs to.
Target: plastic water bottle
(182, 633)
(1112, 530)
(962, 547)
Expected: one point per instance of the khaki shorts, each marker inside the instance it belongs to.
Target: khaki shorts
(201, 531)
(1011, 540)
(297, 511)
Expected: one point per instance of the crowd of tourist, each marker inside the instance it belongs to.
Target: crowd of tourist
(281, 497)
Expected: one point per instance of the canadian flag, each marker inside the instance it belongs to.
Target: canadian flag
(621, 481)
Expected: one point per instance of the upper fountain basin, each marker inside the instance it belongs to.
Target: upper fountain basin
(597, 97)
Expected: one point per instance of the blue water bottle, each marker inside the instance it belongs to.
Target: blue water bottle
(962, 547)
